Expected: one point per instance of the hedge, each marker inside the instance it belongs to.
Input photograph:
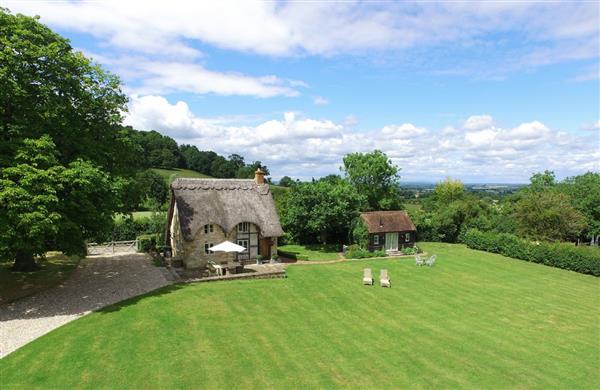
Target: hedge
(364, 254)
(585, 260)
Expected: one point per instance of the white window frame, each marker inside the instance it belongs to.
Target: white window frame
(207, 247)
(406, 237)
(243, 227)
(376, 239)
(244, 243)
(208, 228)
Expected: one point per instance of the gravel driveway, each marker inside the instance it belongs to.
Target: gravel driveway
(97, 282)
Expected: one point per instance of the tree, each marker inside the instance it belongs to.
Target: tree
(45, 205)
(48, 88)
(584, 191)
(286, 181)
(247, 171)
(548, 216)
(374, 176)
(66, 162)
(154, 188)
(447, 191)
(542, 181)
(321, 211)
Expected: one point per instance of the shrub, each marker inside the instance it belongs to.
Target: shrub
(147, 242)
(364, 254)
(409, 250)
(274, 257)
(584, 260)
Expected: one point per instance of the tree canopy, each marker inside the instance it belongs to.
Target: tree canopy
(376, 177)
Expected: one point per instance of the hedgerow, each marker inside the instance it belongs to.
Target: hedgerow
(580, 259)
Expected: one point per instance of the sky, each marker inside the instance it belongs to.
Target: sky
(478, 91)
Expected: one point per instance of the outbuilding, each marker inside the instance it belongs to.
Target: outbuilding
(389, 230)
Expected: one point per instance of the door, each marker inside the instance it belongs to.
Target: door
(391, 241)
(265, 248)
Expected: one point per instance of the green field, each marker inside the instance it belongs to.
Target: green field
(171, 174)
(474, 320)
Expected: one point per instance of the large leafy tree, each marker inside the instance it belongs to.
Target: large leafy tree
(548, 216)
(321, 211)
(45, 205)
(66, 164)
(584, 191)
(376, 177)
(48, 88)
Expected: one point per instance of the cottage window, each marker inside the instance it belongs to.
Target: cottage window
(376, 239)
(243, 243)
(207, 247)
(243, 227)
(407, 237)
(208, 228)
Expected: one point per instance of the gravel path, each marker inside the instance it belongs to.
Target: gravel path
(97, 282)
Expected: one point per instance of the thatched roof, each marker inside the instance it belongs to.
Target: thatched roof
(224, 202)
(387, 221)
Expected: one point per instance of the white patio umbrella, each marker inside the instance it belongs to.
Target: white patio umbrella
(227, 246)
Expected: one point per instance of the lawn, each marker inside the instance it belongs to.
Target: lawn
(474, 320)
(310, 252)
(54, 269)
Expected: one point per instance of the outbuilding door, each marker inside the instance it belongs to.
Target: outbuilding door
(391, 241)
(265, 248)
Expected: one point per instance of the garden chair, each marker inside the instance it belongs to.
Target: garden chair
(368, 276)
(384, 278)
(430, 261)
(418, 260)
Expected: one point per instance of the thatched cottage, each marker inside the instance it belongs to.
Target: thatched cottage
(389, 230)
(206, 212)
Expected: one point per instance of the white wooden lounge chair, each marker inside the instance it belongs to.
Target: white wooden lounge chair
(430, 261)
(384, 278)
(418, 260)
(368, 276)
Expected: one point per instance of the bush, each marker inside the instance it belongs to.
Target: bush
(127, 228)
(409, 250)
(148, 242)
(364, 254)
(584, 260)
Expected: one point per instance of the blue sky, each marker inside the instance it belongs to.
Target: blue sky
(479, 91)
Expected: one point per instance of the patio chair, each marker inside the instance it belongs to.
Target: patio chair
(430, 261)
(384, 278)
(214, 268)
(368, 276)
(418, 260)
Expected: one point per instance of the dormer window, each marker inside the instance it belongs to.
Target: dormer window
(243, 227)
(208, 229)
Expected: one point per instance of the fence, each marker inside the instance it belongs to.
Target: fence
(112, 247)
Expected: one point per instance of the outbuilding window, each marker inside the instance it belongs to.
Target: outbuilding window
(207, 247)
(407, 237)
(376, 239)
(208, 228)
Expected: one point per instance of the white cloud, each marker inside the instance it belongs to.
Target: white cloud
(477, 122)
(326, 28)
(320, 101)
(303, 147)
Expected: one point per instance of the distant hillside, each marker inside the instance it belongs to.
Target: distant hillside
(171, 174)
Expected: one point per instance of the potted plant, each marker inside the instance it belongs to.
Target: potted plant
(259, 259)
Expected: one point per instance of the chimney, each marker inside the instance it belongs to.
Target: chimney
(259, 177)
